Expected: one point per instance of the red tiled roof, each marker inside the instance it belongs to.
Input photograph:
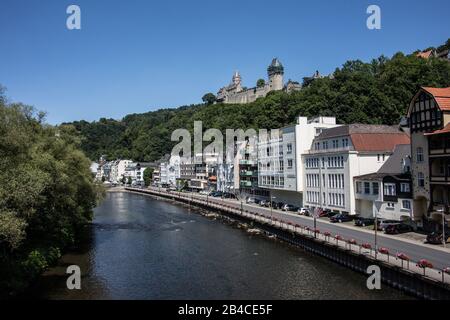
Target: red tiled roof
(425, 54)
(378, 141)
(441, 95)
(446, 129)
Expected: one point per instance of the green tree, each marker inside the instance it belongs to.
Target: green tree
(148, 175)
(209, 98)
(129, 181)
(260, 83)
(47, 193)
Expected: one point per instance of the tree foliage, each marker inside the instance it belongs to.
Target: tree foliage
(148, 175)
(260, 83)
(209, 98)
(377, 92)
(46, 193)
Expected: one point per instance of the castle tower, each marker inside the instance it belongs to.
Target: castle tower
(236, 81)
(236, 78)
(275, 72)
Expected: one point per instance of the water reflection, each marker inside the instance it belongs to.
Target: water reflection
(142, 248)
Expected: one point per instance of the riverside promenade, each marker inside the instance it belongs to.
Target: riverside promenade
(394, 253)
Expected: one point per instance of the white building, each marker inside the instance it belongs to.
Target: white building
(280, 168)
(169, 171)
(338, 155)
(118, 169)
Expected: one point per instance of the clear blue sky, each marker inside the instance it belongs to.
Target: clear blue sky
(134, 56)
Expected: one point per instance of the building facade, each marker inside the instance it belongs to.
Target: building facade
(429, 122)
(280, 169)
(387, 193)
(338, 155)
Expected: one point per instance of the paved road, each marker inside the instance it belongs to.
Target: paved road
(440, 257)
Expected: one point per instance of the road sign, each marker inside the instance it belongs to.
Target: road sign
(316, 213)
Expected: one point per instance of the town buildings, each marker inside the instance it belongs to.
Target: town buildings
(280, 169)
(338, 155)
(170, 171)
(429, 122)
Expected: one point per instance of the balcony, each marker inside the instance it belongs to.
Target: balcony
(247, 162)
(248, 173)
(330, 150)
(246, 184)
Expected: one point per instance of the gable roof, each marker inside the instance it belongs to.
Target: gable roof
(441, 95)
(393, 165)
(425, 54)
(367, 137)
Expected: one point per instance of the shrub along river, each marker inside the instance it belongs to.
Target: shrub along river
(139, 247)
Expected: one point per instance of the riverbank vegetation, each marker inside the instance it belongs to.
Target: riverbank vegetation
(47, 194)
(376, 92)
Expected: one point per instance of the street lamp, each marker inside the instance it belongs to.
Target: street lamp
(378, 204)
(271, 204)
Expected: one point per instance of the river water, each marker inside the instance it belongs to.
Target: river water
(143, 248)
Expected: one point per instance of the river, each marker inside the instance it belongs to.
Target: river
(143, 248)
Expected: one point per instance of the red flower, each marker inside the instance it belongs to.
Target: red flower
(297, 226)
(316, 231)
(338, 237)
(326, 234)
(352, 241)
(366, 246)
(383, 250)
(402, 256)
(446, 270)
(424, 264)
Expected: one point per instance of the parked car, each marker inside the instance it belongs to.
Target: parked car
(228, 195)
(289, 207)
(250, 200)
(340, 217)
(262, 203)
(363, 222)
(303, 211)
(385, 223)
(216, 194)
(397, 228)
(436, 237)
(204, 192)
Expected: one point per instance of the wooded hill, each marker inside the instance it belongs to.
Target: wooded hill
(376, 92)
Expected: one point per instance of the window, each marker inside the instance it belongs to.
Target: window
(390, 205)
(389, 189)
(325, 145)
(421, 179)
(290, 163)
(289, 148)
(406, 204)
(375, 188)
(335, 144)
(345, 142)
(366, 188)
(358, 187)
(404, 187)
(419, 154)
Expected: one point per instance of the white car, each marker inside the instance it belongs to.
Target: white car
(303, 211)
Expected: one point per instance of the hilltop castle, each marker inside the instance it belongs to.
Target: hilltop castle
(235, 93)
